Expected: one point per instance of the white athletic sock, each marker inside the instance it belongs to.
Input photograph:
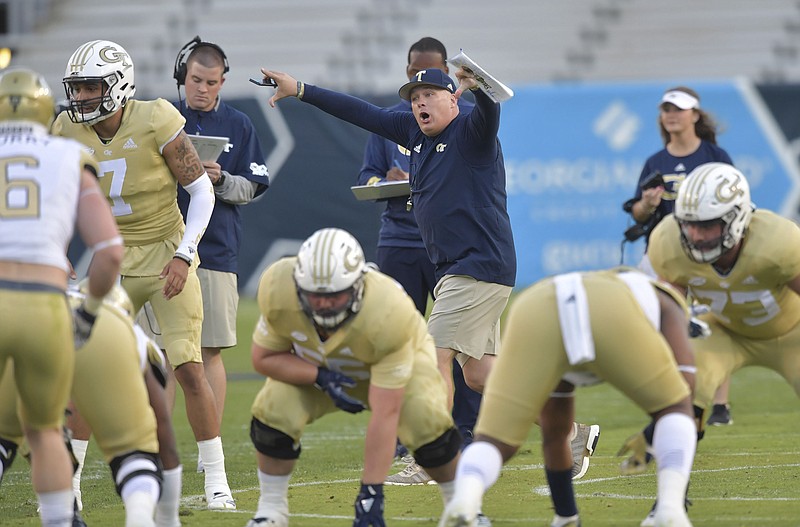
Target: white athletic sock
(140, 492)
(675, 442)
(79, 447)
(447, 489)
(674, 445)
(168, 505)
(55, 508)
(274, 495)
(139, 508)
(480, 461)
(214, 464)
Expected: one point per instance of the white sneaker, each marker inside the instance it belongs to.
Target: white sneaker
(460, 514)
(566, 521)
(277, 521)
(483, 520)
(583, 445)
(220, 501)
(413, 474)
(675, 517)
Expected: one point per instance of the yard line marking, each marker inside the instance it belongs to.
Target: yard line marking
(544, 490)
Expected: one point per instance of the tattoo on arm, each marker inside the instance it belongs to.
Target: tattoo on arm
(183, 160)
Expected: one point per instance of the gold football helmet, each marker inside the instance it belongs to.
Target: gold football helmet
(25, 96)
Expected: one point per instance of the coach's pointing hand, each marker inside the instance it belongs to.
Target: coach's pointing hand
(287, 85)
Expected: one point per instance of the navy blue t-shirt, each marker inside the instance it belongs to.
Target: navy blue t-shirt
(398, 226)
(458, 183)
(675, 169)
(219, 247)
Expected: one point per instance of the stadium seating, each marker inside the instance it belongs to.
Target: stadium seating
(360, 45)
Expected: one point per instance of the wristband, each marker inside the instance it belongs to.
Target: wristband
(91, 304)
(301, 88)
(183, 259)
(220, 180)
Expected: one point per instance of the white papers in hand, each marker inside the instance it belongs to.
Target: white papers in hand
(492, 87)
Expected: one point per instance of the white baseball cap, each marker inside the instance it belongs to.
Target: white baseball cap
(681, 99)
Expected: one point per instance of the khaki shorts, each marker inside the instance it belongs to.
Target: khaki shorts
(466, 316)
(220, 303)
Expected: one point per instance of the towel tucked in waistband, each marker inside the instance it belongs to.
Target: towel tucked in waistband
(573, 315)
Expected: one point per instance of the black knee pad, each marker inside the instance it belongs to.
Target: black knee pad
(135, 464)
(8, 451)
(66, 433)
(439, 451)
(272, 442)
(699, 413)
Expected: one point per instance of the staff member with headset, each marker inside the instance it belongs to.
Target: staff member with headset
(239, 175)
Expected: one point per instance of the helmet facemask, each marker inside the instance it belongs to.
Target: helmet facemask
(707, 251)
(96, 109)
(332, 319)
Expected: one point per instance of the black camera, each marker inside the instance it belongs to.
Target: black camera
(653, 180)
(266, 81)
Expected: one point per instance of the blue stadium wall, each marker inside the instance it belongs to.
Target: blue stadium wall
(573, 156)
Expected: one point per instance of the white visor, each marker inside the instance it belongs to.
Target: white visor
(681, 99)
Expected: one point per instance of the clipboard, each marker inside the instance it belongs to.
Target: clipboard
(388, 189)
(208, 147)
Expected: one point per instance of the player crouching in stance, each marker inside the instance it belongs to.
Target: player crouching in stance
(578, 341)
(330, 322)
(107, 378)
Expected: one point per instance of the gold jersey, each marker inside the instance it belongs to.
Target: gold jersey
(381, 343)
(133, 174)
(753, 299)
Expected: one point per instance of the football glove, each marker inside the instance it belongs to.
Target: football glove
(83, 323)
(369, 507)
(640, 456)
(158, 363)
(333, 384)
(697, 328)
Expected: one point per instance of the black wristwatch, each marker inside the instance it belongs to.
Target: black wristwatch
(220, 180)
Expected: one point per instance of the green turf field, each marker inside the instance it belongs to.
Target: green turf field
(747, 474)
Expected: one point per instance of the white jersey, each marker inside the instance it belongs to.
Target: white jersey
(40, 178)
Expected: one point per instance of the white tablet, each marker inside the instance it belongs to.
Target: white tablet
(208, 147)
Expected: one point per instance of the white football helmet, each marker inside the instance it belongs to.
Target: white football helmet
(117, 298)
(713, 192)
(25, 96)
(330, 261)
(99, 61)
